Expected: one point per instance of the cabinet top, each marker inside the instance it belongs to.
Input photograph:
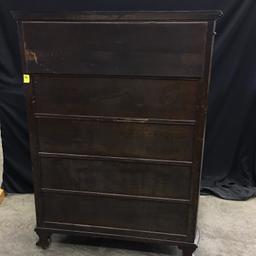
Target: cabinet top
(118, 15)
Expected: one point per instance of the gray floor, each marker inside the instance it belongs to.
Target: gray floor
(227, 229)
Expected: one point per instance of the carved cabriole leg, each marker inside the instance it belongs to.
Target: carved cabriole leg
(44, 238)
(188, 250)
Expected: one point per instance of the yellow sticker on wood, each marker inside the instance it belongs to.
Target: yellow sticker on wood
(26, 78)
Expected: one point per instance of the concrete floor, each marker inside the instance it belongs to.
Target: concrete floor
(227, 229)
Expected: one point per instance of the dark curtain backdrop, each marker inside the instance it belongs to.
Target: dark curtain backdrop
(229, 160)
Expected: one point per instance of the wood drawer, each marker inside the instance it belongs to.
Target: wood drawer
(117, 177)
(116, 48)
(145, 217)
(124, 139)
(117, 97)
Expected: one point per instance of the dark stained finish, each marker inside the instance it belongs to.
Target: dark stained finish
(138, 140)
(122, 97)
(112, 176)
(119, 213)
(204, 15)
(117, 107)
(132, 42)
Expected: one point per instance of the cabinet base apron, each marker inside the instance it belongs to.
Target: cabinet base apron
(44, 240)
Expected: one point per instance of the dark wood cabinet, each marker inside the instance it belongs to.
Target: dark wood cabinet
(117, 106)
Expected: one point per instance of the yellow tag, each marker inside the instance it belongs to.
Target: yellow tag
(26, 78)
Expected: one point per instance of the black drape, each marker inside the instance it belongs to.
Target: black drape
(229, 159)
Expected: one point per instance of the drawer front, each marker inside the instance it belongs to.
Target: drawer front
(118, 97)
(117, 177)
(116, 214)
(173, 49)
(139, 140)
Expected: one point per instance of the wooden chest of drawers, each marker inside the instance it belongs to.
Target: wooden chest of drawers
(116, 107)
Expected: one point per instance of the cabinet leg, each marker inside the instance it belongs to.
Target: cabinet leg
(188, 250)
(44, 239)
